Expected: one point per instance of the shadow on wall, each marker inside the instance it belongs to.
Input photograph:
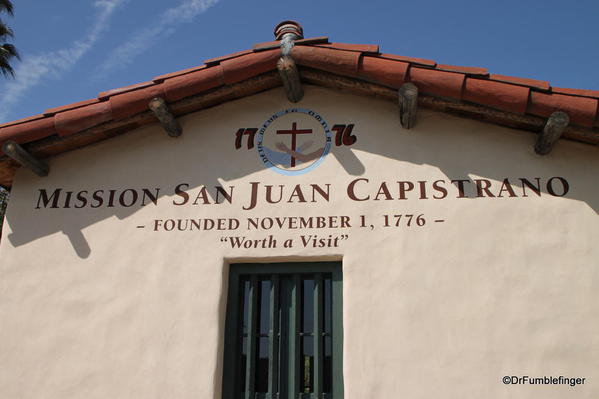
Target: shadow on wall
(204, 157)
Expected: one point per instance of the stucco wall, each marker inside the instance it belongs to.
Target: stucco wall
(91, 306)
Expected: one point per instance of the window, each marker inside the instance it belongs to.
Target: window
(283, 331)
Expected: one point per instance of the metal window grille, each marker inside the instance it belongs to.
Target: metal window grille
(283, 332)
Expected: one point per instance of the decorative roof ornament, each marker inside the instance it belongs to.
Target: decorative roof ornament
(288, 32)
(289, 27)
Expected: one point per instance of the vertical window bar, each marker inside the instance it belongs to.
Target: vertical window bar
(286, 335)
(273, 339)
(294, 341)
(337, 333)
(318, 336)
(251, 338)
(233, 329)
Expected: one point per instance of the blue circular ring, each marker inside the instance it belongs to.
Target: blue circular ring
(265, 126)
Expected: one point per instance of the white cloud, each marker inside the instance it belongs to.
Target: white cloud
(144, 38)
(36, 68)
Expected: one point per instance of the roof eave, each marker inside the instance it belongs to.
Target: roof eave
(360, 69)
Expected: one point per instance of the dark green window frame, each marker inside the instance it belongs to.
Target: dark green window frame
(294, 294)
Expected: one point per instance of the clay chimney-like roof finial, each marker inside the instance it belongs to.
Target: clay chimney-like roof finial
(289, 27)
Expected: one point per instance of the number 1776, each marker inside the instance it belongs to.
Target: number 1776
(408, 220)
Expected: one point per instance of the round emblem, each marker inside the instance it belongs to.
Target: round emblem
(294, 141)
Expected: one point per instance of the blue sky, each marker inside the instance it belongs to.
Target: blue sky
(73, 49)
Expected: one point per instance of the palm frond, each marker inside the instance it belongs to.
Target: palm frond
(6, 5)
(6, 69)
(7, 52)
(11, 50)
(5, 31)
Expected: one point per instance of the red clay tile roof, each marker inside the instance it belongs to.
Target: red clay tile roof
(465, 85)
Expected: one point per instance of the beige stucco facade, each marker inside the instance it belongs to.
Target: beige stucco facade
(93, 305)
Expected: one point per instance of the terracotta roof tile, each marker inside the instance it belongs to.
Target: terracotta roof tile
(106, 94)
(577, 92)
(334, 61)
(537, 84)
(386, 72)
(23, 120)
(313, 40)
(506, 93)
(503, 96)
(133, 102)
(241, 68)
(582, 111)
(411, 60)
(276, 44)
(55, 110)
(161, 78)
(364, 48)
(440, 83)
(192, 83)
(30, 131)
(266, 45)
(76, 120)
(472, 71)
(217, 60)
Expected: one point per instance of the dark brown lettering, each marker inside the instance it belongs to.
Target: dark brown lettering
(180, 191)
(437, 187)
(253, 196)
(422, 185)
(227, 195)
(98, 198)
(297, 192)
(153, 197)
(482, 186)
(317, 189)
(82, 199)
(111, 198)
(203, 196)
(404, 186)
(526, 183)
(269, 194)
(565, 186)
(67, 200)
(352, 194)
(122, 198)
(45, 200)
(460, 186)
(506, 186)
(383, 190)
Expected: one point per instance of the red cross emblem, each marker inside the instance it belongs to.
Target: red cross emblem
(294, 132)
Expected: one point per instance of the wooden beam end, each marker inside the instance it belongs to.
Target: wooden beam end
(408, 104)
(20, 155)
(555, 126)
(291, 79)
(159, 107)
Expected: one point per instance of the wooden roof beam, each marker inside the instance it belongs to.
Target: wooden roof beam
(408, 105)
(19, 154)
(158, 106)
(555, 126)
(291, 78)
